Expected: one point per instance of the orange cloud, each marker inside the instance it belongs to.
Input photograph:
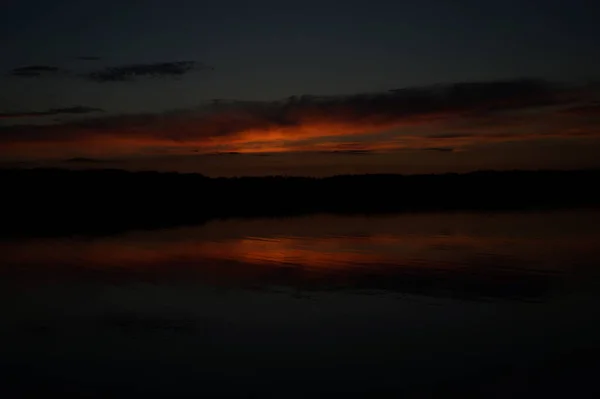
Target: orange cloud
(458, 115)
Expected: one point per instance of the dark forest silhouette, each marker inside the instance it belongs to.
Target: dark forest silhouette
(62, 201)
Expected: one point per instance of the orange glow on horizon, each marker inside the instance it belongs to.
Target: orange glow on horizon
(311, 134)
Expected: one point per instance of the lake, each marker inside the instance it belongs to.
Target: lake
(498, 304)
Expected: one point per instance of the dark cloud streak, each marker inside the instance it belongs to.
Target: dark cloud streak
(131, 72)
(439, 149)
(34, 71)
(78, 110)
(84, 160)
(347, 152)
(119, 73)
(449, 135)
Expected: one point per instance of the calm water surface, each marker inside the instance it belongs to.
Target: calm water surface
(487, 305)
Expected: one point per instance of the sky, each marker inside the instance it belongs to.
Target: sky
(305, 88)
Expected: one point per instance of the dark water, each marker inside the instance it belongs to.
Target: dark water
(416, 305)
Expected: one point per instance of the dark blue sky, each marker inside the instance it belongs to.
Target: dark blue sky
(270, 50)
(273, 49)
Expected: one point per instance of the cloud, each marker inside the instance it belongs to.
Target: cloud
(134, 71)
(448, 135)
(78, 110)
(440, 149)
(119, 73)
(34, 71)
(438, 117)
(83, 160)
(349, 152)
(224, 153)
(592, 109)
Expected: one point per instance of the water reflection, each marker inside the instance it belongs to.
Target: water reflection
(509, 255)
(459, 304)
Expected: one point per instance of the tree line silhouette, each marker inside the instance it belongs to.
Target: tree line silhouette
(62, 201)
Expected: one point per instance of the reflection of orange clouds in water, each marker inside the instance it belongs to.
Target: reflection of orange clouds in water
(311, 253)
(316, 253)
(115, 253)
